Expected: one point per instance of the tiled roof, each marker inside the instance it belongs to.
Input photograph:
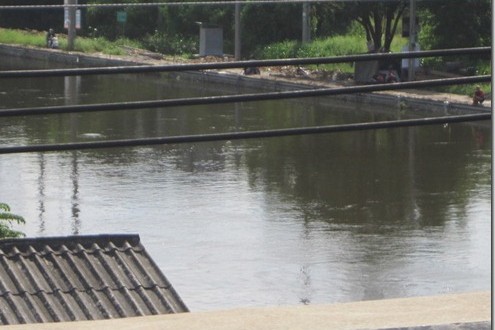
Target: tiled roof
(77, 278)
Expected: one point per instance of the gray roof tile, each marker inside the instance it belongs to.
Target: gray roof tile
(77, 278)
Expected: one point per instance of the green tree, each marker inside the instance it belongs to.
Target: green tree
(6, 221)
(379, 20)
(140, 21)
(263, 24)
(37, 19)
(328, 19)
(455, 24)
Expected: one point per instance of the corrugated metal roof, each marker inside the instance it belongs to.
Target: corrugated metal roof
(78, 278)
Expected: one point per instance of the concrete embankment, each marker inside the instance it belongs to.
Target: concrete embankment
(464, 311)
(414, 102)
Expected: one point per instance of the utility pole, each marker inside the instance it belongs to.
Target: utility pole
(306, 31)
(412, 38)
(237, 41)
(71, 26)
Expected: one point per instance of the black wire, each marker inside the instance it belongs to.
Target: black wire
(171, 3)
(239, 64)
(243, 135)
(238, 98)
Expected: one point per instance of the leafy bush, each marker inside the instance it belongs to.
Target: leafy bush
(170, 45)
(87, 45)
(6, 221)
(333, 46)
(326, 47)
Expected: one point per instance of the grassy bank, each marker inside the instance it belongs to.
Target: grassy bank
(84, 45)
(355, 44)
(333, 46)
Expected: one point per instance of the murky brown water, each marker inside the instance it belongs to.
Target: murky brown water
(280, 221)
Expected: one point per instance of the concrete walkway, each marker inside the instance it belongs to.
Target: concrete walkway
(454, 311)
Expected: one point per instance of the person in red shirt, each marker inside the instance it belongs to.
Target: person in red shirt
(479, 96)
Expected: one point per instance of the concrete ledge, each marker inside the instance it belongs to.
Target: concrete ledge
(447, 312)
(411, 101)
(60, 56)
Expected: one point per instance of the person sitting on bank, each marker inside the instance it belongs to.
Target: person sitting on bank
(479, 96)
(50, 35)
(391, 76)
(251, 70)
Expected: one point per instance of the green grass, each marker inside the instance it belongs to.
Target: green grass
(467, 90)
(328, 47)
(22, 37)
(81, 44)
(101, 45)
(483, 67)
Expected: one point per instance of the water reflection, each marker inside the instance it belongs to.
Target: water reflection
(72, 89)
(41, 193)
(76, 222)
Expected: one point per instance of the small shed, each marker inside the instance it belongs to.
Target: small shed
(76, 278)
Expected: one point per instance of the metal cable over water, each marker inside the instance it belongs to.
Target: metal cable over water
(175, 3)
(243, 135)
(237, 98)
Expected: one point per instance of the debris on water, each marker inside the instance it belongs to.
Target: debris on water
(91, 136)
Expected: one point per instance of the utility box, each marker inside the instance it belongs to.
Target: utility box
(210, 40)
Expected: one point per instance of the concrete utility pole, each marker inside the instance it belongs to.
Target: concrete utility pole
(412, 38)
(306, 30)
(237, 41)
(71, 34)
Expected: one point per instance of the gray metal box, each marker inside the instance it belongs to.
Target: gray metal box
(210, 41)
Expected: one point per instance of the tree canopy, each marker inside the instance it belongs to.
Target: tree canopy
(456, 23)
(262, 24)
(379, 20)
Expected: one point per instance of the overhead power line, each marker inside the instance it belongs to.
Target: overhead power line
(243, 135)
(80, 108)
(181, 3)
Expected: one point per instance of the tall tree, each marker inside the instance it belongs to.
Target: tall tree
(37, 19)
(263, 24)
(327, 19)
(456, 23)
(379, 20)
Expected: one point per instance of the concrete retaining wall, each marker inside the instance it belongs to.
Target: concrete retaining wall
(408, 102)
(59, 56)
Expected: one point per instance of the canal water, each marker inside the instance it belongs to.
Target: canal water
(282, 221)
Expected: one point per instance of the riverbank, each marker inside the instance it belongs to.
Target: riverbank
(418, 102)
(385, 314)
